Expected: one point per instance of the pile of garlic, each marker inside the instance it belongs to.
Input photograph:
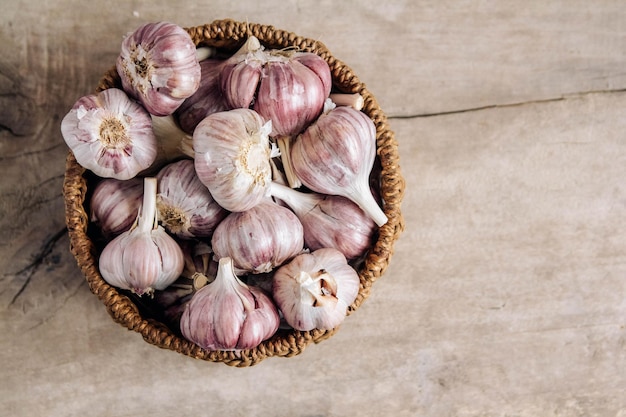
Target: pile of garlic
(234, 189)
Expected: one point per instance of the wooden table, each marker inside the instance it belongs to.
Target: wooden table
(506, 295)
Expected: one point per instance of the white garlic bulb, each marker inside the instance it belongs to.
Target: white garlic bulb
(144, 258)
(227, 314)
(158, 66)
(232, 157)
(110, 135)
(259, 239)
(315, 289)
(186, 207)
(335, 155)
(329, 221)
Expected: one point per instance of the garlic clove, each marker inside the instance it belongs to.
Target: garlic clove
(110, 135)
(232, 157)
(241, 73)
(159, 67)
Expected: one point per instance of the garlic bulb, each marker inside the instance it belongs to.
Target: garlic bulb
(329, 221)
(110, 135)
(228, 314)
(186, 207)
(158, 66)
(314, 290)
(232, 157)
(144, 258)
(115, 204)
(206, 100)
(335, 155)
(259, 239)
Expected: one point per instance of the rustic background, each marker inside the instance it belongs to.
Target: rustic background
(507, 292)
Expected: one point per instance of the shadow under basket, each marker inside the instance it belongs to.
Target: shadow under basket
(128, 311)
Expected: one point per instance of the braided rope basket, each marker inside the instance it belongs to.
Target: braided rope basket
(125, 310)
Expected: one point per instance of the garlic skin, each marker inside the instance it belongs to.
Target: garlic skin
(173, 142)
(335, 155)
(329, 221)
(206, 100)
(259, 239)
(158, 66)
(115, 204)
(110, 135)
(186, 207)
(144, 258)
(232, 157)
(228, 314)
(314, 290)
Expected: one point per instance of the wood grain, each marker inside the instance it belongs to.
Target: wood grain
(505, 296)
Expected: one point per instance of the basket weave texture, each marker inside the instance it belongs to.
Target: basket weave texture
(229, 34)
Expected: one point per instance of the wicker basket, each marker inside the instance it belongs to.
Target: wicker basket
(127, 311)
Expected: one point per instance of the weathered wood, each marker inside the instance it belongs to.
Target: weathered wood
(506, 292)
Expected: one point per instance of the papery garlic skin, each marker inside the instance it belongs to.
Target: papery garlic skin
(335, 155)
(232, 157)
(186, 207)
(115, 204)
(329, 221)
(158, 66)
(315, 289)
(259, 239)
(110, 134)
(144, 258)
(228, 314)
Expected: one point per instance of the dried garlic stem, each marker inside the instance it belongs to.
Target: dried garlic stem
(148, 217)
(284, 144)
(353, 100)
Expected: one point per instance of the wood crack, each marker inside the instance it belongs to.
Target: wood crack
(30, 269)
(506, 105)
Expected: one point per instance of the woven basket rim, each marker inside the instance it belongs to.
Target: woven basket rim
(228, 33)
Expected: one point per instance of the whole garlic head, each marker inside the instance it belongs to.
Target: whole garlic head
(232, 157)
(158, 66)
(144, 258)
(259, 239)
(110, 135)
(227, 314)
(314, 290)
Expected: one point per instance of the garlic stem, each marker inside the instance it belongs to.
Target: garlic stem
(226, 274)
(363, 197)
(284, 144)
(300, 203)
(353, 100)
(148, 217)
(204, 52)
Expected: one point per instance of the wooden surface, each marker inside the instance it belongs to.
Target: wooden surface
(507, 292)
